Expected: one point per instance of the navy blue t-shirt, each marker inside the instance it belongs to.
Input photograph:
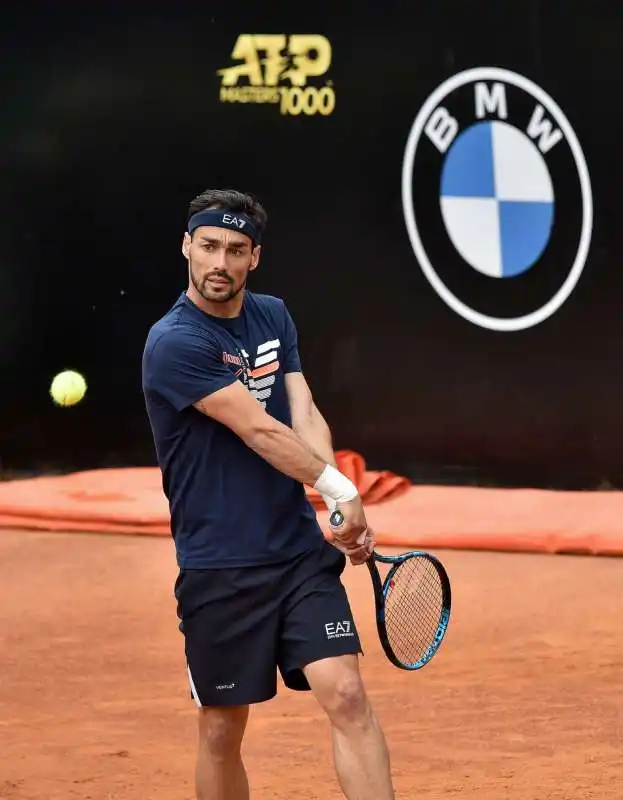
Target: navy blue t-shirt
(229, 507)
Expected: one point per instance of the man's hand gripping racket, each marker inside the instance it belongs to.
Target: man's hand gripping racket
(412, 604)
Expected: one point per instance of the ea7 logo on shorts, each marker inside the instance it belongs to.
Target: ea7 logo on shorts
(338, 630)
(497, 199)
(263, 372)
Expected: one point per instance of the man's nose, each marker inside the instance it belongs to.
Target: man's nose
(219, 259)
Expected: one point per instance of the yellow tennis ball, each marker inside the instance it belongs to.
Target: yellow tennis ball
(68, 388)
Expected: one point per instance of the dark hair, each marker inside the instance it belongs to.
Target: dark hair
(234, 201)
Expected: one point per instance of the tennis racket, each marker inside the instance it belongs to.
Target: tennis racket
(412, 604)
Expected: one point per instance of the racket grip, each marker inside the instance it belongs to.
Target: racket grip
(336, 519)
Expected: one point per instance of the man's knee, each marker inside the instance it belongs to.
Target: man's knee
(348, 703)
(339, 689)
(221, 730)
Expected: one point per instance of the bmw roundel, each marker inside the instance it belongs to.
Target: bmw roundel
(497, 199)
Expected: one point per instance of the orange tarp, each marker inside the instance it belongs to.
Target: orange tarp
(130, 500)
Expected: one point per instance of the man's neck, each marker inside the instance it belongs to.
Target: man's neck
(227, 310)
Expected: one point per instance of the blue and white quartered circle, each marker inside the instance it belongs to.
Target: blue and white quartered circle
(497, 199)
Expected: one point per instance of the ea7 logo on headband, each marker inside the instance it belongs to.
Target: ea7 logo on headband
(229, 220)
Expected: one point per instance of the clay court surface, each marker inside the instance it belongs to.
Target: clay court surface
(523, 701)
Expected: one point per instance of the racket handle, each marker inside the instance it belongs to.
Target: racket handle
(336, 519)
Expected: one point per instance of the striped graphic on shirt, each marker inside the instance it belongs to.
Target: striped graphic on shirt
(262, 374)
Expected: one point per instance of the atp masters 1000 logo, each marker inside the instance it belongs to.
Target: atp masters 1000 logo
(497, 199)
(276, 69)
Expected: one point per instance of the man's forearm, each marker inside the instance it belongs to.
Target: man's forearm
(317, 434)
(288, 452)
(315, 431)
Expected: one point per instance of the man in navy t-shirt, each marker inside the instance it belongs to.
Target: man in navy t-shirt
(237, 436)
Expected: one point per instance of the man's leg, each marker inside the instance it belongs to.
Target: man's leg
(220, 773)
(226, 615)
(318, 650)
(359, 747)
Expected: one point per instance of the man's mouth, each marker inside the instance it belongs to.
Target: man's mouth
(218, 280)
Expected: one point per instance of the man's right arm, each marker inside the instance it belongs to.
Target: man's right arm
(285, 450)
(188, 370)
(235, 407)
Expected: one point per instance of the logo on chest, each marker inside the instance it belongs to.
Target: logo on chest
(259, 377)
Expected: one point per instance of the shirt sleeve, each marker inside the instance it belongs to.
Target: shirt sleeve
(291, 357)
(185, 367)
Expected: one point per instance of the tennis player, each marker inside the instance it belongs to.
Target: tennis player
(237, 435)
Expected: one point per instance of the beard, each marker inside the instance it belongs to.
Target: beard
(216, 294)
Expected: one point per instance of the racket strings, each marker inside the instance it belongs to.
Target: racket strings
(413, 606)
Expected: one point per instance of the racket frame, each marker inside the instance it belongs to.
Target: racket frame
(381, 589)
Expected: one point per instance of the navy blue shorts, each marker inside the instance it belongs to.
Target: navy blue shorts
(241, 625)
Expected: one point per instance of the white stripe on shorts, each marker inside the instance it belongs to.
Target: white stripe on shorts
(193, 688)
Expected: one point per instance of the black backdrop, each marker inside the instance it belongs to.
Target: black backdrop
(111, 121)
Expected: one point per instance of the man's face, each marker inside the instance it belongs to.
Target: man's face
(219, 262)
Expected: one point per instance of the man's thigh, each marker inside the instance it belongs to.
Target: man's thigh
(317, 620)
(230, 622)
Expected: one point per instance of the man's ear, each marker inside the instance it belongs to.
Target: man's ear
(255, 256)
(186, 246)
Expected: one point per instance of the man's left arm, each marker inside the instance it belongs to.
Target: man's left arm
(312, 427)
(308, 422)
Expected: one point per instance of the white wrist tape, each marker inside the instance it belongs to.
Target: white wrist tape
(329, 502)
(335, 485)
